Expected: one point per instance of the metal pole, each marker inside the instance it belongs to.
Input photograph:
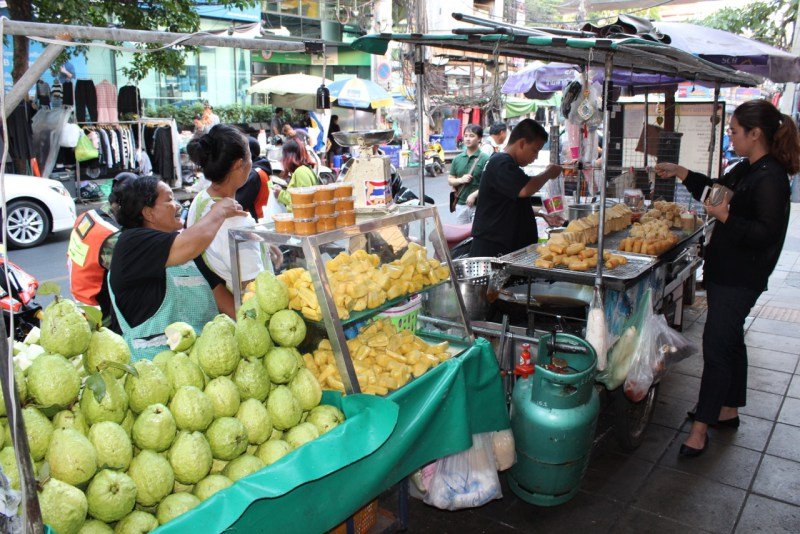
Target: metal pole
(604, 167)
(646, 123)
(38, 29)
(33, 515)
(28, 80)
(419, 70)
(713, 142)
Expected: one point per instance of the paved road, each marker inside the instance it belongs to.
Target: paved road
(48, 262)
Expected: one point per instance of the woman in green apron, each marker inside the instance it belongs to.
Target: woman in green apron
(156, 275)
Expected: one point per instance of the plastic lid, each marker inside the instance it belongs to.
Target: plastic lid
(282, 217)
(330, 215)
(312, 219)
(295, 206)
(303, 190)
(345, 199)
(346, 212)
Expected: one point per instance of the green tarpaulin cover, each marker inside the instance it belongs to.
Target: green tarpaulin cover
(383, 440)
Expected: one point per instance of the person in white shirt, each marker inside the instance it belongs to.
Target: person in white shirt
(498, 137)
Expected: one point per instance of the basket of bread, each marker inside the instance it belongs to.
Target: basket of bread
(575, 257)
(652, 237)
(584, 230)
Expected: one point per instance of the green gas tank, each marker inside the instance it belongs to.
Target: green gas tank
(553, 418)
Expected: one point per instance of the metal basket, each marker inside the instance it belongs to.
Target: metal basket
(473, 271)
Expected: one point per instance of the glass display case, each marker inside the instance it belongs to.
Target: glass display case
(381, 292)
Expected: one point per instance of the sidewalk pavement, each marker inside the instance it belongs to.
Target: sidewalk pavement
(748, 480)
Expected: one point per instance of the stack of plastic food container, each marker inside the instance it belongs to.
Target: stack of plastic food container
(318, 209)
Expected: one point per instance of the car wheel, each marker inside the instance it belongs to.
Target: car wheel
(28, 224)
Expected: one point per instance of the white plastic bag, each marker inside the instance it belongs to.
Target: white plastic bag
(504, 448)
(467, 479)
(660, 347)
(596, 329)
(272, 207)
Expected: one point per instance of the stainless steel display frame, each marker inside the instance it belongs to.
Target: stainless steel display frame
(310, 245)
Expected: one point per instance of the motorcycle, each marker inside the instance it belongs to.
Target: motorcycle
(17, 299)
(434, 159)
(459, 239)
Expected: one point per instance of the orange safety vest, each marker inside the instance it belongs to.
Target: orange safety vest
(86, 274)
(263, 193)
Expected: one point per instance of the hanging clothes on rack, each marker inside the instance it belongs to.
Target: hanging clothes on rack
(106, 102)
(85, 100)
(115, 145)
(129, 101)
(20, 133)
(68, 89)
(57, 94)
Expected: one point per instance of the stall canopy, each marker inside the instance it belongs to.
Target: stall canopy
(297, 91)
(517, 107)
(629, 54)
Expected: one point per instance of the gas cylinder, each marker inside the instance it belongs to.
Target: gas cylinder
(553, 417)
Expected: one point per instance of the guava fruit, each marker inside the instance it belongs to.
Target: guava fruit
(191, 408)
(284, 410)
(271, 293)
(95, 526)
(242, 466)
(127, 423)
(224, 395)
(150, 387)
(301, 434)
(210, 485)
(153, 477)
(174, 505)
(217, 466)
(161, 359)
(154, 429)
(8, 463)
(276, 434)
(21, 385)
(251, 305)
(63, 506)
(39, 430)
(325, 417)
(71, 456)
(252, 380)
(106, 345)
(112, 444)
(181, 371)
(252, 336)
(255, 418)
(73, 418)
(301, 363)
(226, 322)
(281, 365)
(111, 495)
(64, 329)
(306, 389)
(180, 336)
(287, 328)
(53, 381)
(190, 457)
(113, 405)
(182, 488)
(136, 522)
(227, 437)
(217, 350)
(273, 450)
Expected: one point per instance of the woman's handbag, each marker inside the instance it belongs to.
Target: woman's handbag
(456, 191)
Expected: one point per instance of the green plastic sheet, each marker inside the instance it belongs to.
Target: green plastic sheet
(384, 439)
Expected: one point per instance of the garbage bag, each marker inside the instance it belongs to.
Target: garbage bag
(660, 348)
(467, 479)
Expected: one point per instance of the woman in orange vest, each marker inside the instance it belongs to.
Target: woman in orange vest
(91, 244)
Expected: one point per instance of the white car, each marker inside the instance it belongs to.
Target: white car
(36, 207)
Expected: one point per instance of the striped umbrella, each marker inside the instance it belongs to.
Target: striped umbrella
(358, 93)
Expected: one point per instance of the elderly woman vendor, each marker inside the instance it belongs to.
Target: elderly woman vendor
(157, 276)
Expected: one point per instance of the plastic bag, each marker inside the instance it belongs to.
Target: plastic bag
(625, 349)
(85, 150)
(504, 448)
(660, 348)
(596, 329)
(467, 479)
(272, 207)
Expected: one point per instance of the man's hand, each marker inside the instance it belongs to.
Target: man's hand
(472, 198)
(465, 179)
(553, 220)
(552, 171)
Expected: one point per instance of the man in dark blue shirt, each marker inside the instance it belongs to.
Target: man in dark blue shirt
(504, 221)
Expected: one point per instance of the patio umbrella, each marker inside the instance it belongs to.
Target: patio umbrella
(296, 91)
(360, 94)
(735, 51)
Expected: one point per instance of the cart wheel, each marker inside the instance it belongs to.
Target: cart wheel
(632, 418)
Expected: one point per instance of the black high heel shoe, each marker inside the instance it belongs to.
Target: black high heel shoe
(733, 422)
(690, 452)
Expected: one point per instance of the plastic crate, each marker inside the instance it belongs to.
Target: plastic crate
(404, 316)
(362, 521)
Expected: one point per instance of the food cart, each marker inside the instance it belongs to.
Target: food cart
(670, 273)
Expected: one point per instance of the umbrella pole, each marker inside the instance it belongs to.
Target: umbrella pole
(604, 167)
(419, 70)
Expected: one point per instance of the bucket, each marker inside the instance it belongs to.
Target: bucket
(472, 281)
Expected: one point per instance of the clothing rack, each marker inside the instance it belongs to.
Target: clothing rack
(140, 125)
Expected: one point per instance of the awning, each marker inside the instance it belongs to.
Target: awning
(632, 54)
(516, 107)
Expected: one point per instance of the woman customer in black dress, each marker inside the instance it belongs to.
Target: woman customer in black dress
(744, 249)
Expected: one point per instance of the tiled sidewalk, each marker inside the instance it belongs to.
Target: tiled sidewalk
(748, 480)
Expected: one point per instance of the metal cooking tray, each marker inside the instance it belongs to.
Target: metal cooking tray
(521, 262)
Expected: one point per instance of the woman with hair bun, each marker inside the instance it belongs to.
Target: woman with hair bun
(745, 246)
(296, 169)
(156, 277)
(224, 155)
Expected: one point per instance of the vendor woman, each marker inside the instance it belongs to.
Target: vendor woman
(157, 276)
(744, 249)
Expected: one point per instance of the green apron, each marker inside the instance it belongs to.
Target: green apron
(188, 299)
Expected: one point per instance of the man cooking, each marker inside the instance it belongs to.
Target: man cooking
(504, 220)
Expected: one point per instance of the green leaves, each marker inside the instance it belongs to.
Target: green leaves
(97, 385)
(93, 315)
(49, 288)
(131, 370)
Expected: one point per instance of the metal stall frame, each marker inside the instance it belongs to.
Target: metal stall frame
(58, 37)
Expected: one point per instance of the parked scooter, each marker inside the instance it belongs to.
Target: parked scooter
(434, 159)
(17, 299)
(459, 239)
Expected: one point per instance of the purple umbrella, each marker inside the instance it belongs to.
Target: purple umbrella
(551, 77)
(740, 53)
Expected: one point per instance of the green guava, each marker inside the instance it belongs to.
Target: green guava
(95, 526)
(73, 418)
(252, 380)
(64, 329)
(224, 395)
(8, 463)
(63, 506)
(153, 477)
(287, 328)
(273, 450)
(252, 337)
(111, 495)
(113, 405)
(251, 305)
(39, 430)
(113, 445)
(137, 522)
(150, 387)
(180, 336)
(242, 466)
(271, 293)
(255, 418)
(281, 365)
(154, 429)
(53, 381)
(174, 505)
(284, 410)
(161, 359)
(21, 385)
(71, 456)
(190, 457)
(301, 434)
(181, 371)
(127, 423)
(210, 485)
(217, 350)
(106, 345)
(227, 437)
(191, 408)
(306, 389)
(325, 417)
